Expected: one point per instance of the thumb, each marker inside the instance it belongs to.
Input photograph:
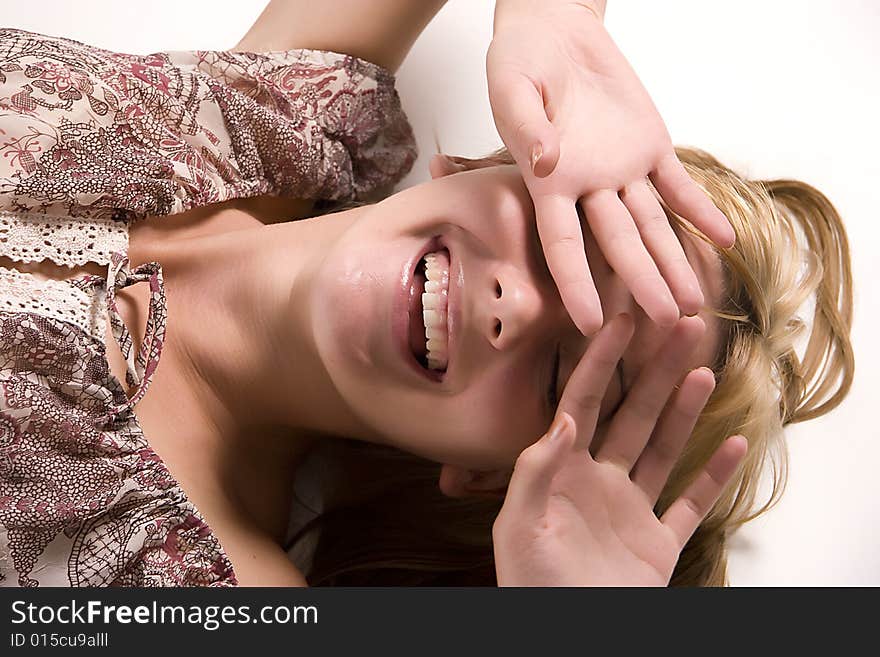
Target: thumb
(530, 483)
(522, 122)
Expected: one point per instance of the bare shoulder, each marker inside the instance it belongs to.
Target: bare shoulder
(213, 219)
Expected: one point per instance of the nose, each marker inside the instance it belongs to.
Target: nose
(517, 309)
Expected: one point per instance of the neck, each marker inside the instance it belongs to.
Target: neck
(242, 336)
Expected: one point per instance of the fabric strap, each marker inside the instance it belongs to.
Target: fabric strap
(139, 367)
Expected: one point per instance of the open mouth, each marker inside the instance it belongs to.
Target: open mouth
(428, 313)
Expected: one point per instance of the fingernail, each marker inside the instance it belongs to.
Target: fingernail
(711, 373)
(535, 155)
(731, 237)
(590, 329)
(557, 429)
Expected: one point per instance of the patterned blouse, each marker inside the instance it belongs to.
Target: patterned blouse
(90, 141)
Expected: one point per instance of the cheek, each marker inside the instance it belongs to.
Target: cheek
(499, 416)
(483, 427)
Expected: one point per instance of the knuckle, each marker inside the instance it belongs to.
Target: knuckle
(693, 507)
(620, 460)
(646, 278)
(522, 130)
(679, 261)
(604, 362)
(685, 190)
(684, 412)
(642, 407)
(689, 406)
(564, 244)
(672, 369)
(622, 235)
(588, 402)
(663, 451)
(658, 232)
(574, 283)
(714, 481)
(529, 459)
(654, 223)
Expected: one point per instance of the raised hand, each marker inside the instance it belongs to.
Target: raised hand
(583, 129)
(575, 519)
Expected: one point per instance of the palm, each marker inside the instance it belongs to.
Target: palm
(579, 509)
(599, 511)
(599, 138)
(600, 103)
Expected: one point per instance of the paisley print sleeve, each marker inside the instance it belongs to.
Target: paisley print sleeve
(85, 132)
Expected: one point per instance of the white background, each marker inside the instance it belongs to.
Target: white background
(776, 88)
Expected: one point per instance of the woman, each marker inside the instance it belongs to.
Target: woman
(317, 302)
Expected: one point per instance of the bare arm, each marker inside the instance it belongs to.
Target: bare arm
(379, 31)
(527, 9)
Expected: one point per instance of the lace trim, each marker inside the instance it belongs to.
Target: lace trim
(61, 300)
(32, 237)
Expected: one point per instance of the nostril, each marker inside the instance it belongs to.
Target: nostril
(497, 289)
(497, 328)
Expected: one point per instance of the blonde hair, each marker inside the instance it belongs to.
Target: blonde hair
(791, 247)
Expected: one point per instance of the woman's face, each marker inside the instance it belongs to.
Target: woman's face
(505, 320)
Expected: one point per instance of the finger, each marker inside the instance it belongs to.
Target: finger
(664, 246)
(471, 163)
(518, 107)
(673, 431)
(632, 425)
(586, 387)
(559, 228)
(442, 165)
(530, 483)
(688, 511)
(617, 236)
(686, 199)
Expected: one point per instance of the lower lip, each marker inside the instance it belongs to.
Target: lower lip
(400, 312)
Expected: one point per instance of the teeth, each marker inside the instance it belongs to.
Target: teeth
(434, 319)
(434, 301)
(437, 346)
(434, 306)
